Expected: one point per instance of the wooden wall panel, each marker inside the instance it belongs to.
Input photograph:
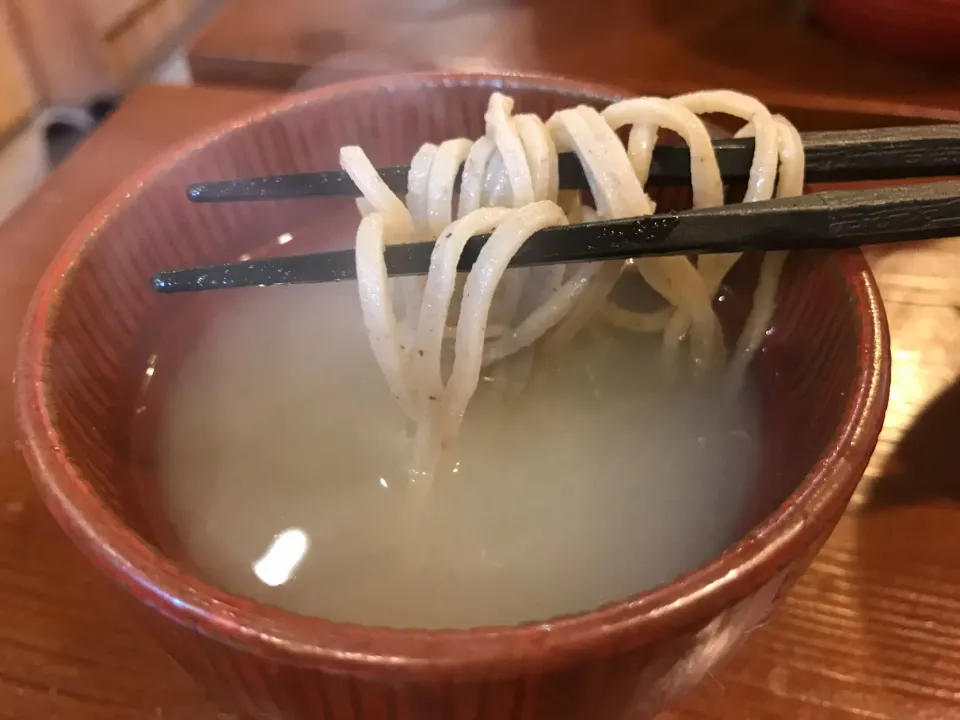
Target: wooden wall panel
(107, 14)
(18, 95)
(140, 34)
(61, 45)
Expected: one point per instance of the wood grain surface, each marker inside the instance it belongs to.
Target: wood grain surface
(871, 631)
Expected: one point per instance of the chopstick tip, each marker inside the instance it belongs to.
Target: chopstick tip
(160, 282)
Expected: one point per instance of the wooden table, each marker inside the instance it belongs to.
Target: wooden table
(664, 46)
(871, 631)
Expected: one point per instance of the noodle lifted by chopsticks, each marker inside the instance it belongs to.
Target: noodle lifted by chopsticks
(510, 188)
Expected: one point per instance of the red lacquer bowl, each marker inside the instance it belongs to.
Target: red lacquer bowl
(919, 29)
(824, 379)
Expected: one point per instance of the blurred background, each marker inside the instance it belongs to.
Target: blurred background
(65, 64)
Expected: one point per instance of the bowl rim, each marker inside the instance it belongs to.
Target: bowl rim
(269, 632)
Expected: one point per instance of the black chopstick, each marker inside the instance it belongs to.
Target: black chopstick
(823, 221)
(835, 156)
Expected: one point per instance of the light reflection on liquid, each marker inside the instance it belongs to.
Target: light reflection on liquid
(147, 376)
(280, 561)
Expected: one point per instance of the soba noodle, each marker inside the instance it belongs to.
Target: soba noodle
(510, 188)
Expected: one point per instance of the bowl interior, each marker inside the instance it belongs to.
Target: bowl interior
(105, 317)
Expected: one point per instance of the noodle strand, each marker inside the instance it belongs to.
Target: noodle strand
(510, 188)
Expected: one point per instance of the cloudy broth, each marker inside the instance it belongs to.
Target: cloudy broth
(282, 464)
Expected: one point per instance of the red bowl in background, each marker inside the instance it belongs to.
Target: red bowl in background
(823, 376)
(919, 29)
